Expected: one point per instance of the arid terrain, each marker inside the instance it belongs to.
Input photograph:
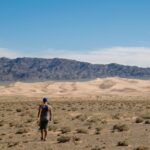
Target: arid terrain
(101, 114)
(99, 86)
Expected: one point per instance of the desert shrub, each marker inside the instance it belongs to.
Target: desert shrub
(29, 121)
(63, 139)
(89, 127)
(81, 130)
(120, 127)
(148, 107)
(9, 109)
(81, 117)
(82, 108)
(49, 148)
(31, 115)
(26, 141)
(52, 127)
(73, 109)
(1, 123)
(88, 123)
(11, 124)
(146, 116)
(96, 148)
(122, 143)
(147, 122)
(142, 148)
(65, 130)
(139, 120)
(93, 119)
(22, 131)
(63, 109)
(12, 144)
(10, 136)
(75, 138)
(18, 110)
(97, 130)
(18, 124)
(116, 116)
(3, 115)
(55, 121)
(23, 114)
(104, 121)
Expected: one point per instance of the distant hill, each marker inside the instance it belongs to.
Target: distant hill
(38, 69)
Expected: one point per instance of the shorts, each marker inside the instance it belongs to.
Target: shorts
(43, 124)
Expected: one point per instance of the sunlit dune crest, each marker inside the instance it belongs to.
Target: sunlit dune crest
(78, 88)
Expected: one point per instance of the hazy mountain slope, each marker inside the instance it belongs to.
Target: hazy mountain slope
(37, 69)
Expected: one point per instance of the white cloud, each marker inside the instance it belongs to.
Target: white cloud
(139, 56)
(4, 52)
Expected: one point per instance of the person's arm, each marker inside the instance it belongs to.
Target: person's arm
(50, 113)
(39, 112)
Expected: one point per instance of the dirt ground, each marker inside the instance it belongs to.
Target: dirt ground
(95, 124)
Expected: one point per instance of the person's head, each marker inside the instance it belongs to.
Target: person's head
(45, 100)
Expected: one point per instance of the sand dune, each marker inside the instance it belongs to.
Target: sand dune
(94, 87)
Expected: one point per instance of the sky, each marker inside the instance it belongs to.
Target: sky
(95, 31)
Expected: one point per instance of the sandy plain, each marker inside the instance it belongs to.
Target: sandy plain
(108, 113)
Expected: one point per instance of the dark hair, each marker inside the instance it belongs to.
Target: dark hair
(45, 100)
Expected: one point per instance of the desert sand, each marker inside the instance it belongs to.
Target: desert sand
(101, 114)
(103, 86)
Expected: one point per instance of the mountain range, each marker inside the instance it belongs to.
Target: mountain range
(40, 69)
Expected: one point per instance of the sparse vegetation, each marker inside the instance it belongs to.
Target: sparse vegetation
(65, 130)
(75, 138)
(86, 128)
(142, 148)
(63, 139)
(22, 131)
(18, 110)
(147, 122)
(97, 130)
(139, 120)
(96, 148)
(55, 121)
(1, 123)
(122, 143)
(146, 116)
(81, 130)
(12, 144)
(52, 127)
(120, 127)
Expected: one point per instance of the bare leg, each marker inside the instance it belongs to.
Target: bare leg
(45, 135)
(42, 134)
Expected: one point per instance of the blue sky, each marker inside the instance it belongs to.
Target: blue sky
(88, 30)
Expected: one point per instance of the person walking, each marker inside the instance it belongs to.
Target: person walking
(44, 116)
